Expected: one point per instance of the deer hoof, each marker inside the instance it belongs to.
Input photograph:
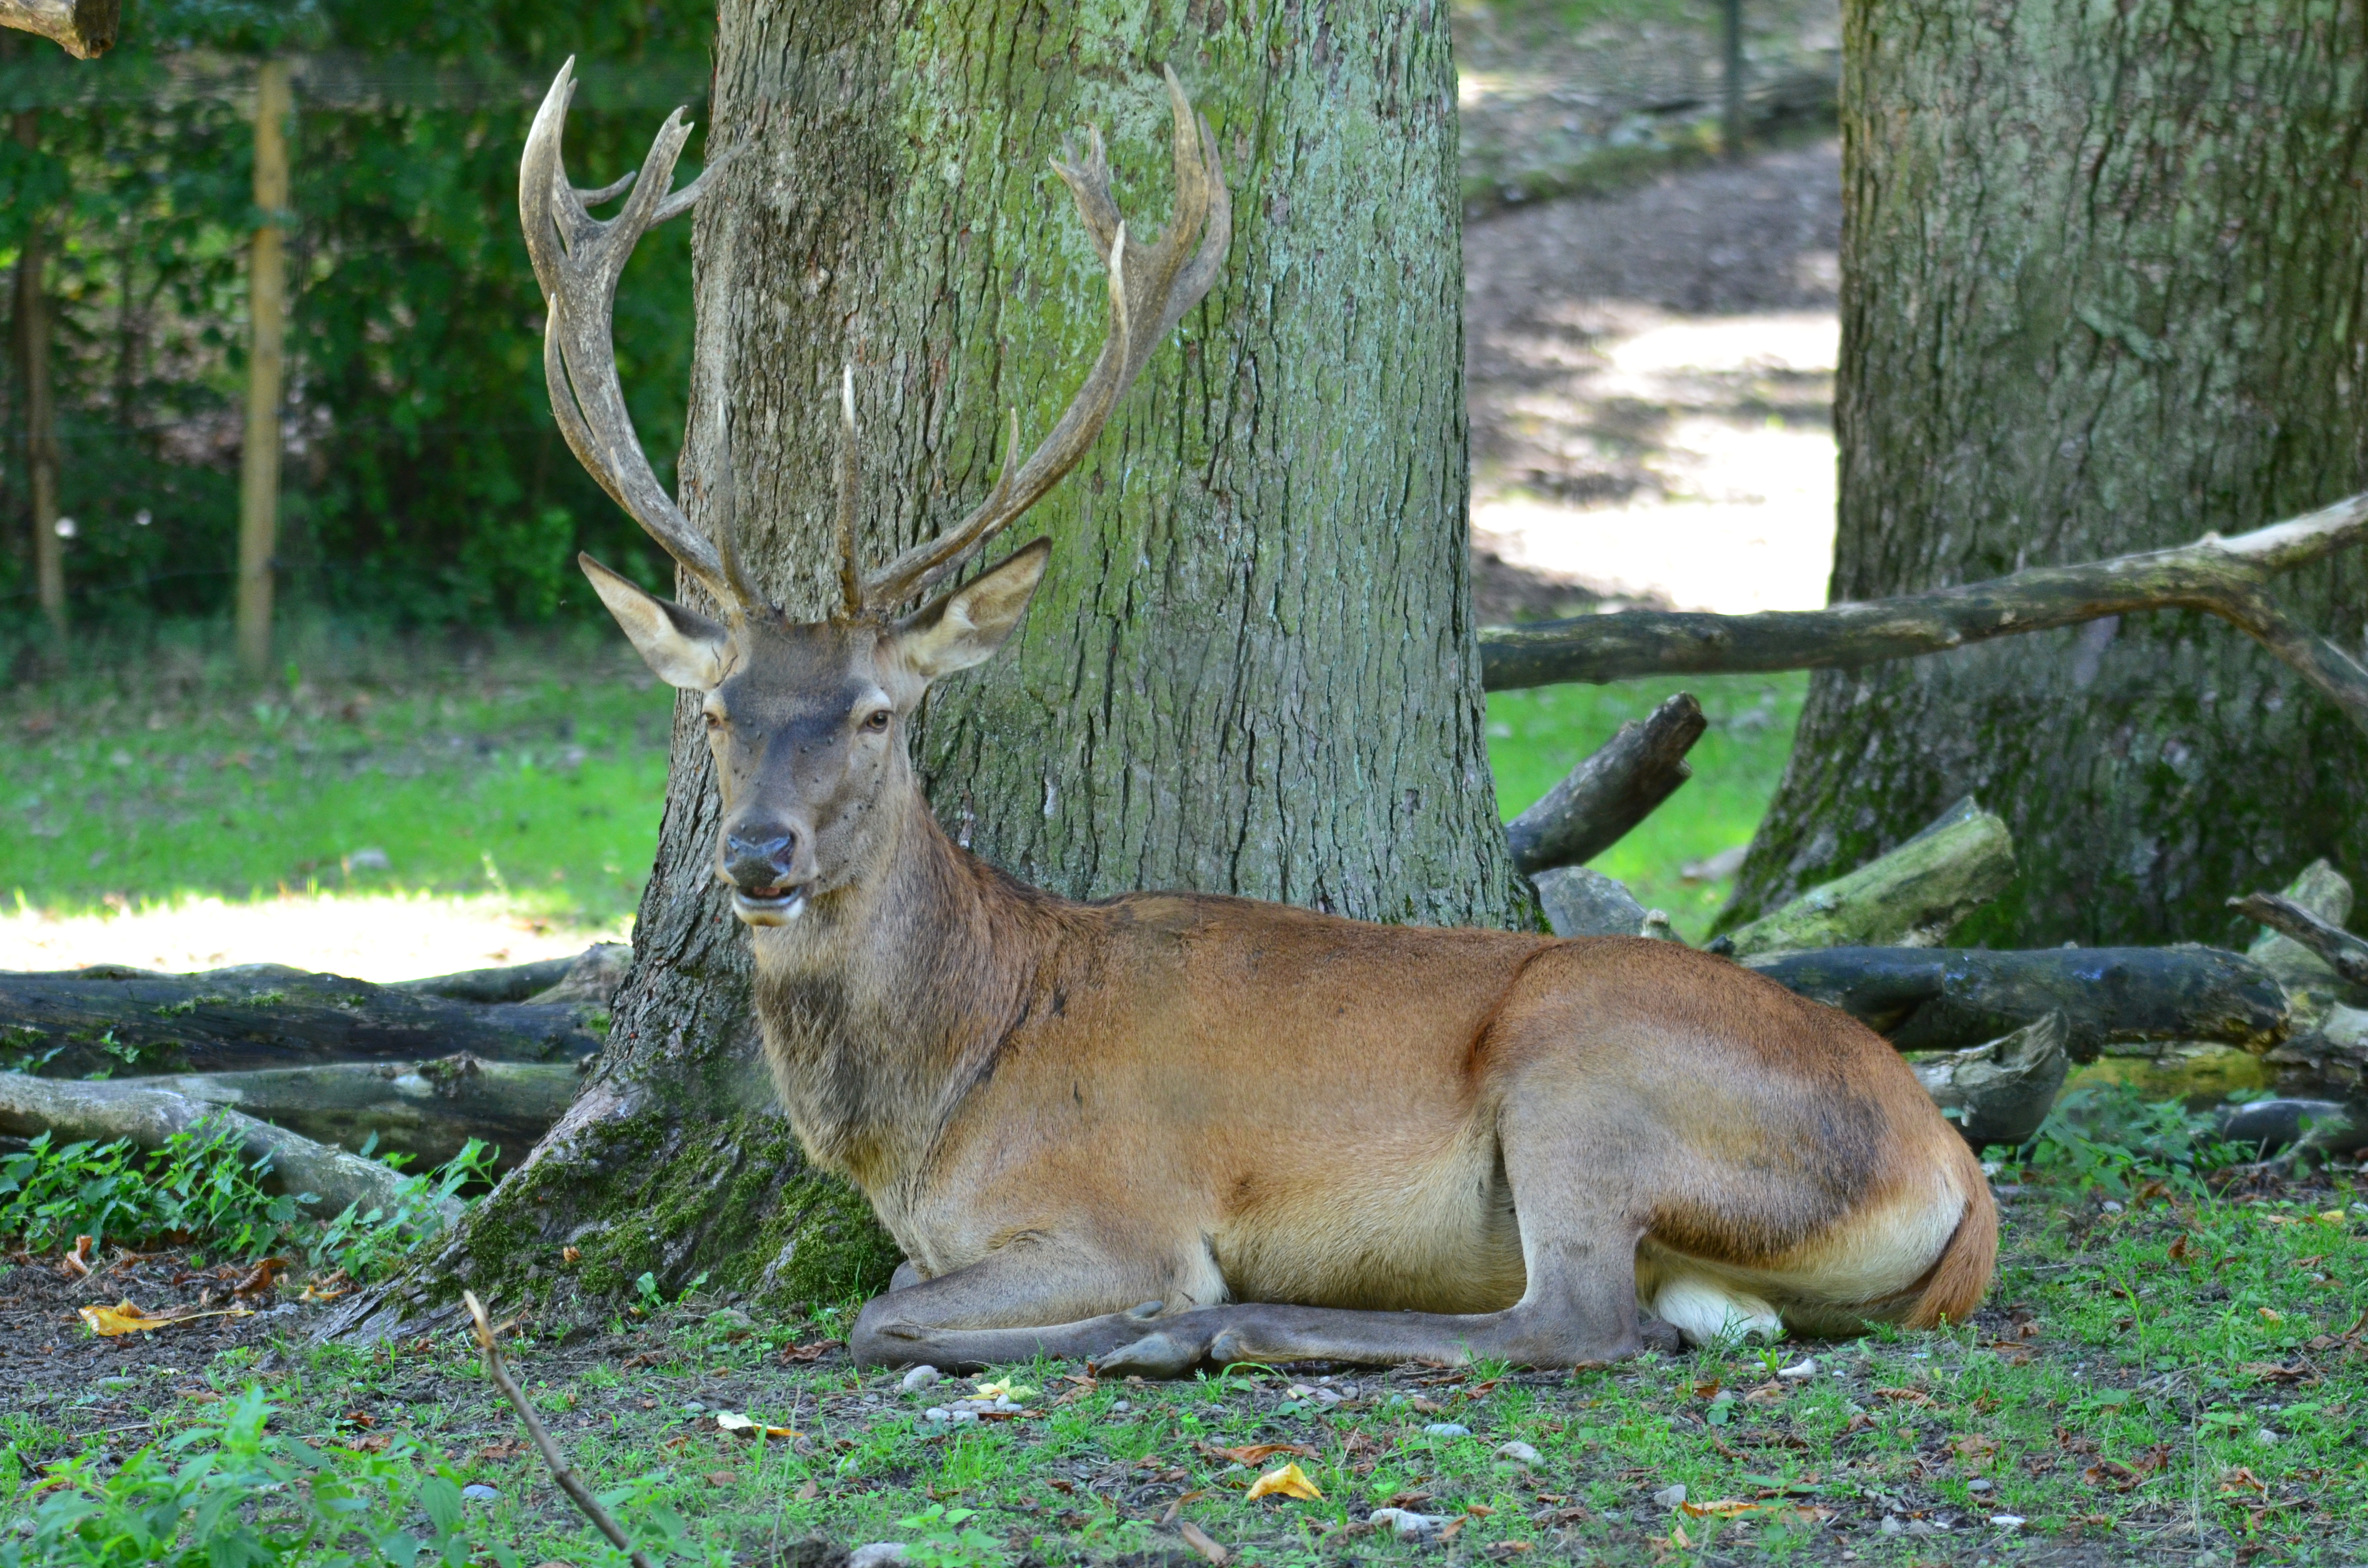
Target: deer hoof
(1153, 1356)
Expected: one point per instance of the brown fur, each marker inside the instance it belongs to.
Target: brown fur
(1172, 1126)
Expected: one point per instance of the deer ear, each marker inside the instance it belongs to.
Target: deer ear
(967, 626)
(681, 649)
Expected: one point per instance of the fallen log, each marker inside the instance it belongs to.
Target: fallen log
(148, 1114)
(71, 1023)
(1911, 897)
(1951, 998)
(425, 1110)
(1610, 791)
(2341, 951)
(2000, 1092)
(512, 982)
(2226, 577)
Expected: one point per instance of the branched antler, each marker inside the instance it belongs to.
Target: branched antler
(1151, 287)
(578, 259)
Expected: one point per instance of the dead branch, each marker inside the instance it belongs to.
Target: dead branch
(2001, 1091)
(577, 1492)
(148, 1114)
(110, 1019)
(1609, 793)
(2344, 953)
(2226, 577)
(83, 28)
(1911, 897)
(425, 1110)
(1950, 998)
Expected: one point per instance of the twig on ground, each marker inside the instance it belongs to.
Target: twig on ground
(2346, 954)
(560, 1472)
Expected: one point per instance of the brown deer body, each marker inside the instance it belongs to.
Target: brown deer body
(1171, 1127)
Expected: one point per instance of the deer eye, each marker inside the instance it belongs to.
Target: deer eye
(714, 721)
(876, 720)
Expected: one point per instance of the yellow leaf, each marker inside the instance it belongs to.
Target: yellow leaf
(740, 1426)
(1004, 1387)
(1725, 1509)
(2333, 1216)
(124, 1318)
(2271, 1314)
(1289, 1481)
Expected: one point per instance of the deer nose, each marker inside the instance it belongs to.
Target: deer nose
(760, 858)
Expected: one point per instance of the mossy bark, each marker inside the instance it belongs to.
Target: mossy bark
(1251, 669)
(2102, 291)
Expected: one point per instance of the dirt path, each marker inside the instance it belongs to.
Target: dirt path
(1651, 379)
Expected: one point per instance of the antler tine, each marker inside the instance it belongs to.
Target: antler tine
(577, 260)
(1151, 287)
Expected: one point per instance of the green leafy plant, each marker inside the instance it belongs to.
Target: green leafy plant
(944, 1537)
(199, 1186)
(367, 1245)
(229, 1493)
(2109, 1137)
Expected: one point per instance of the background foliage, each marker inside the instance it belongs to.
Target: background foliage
(425, 480)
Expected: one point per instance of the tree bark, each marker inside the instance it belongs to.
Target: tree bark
(2102, 277)
(1251, 669)
(83, 28)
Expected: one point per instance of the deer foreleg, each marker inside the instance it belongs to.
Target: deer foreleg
(1036, 1299)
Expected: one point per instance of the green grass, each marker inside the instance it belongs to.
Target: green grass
(1536, 736)
(535, 767)
(2162, 1374)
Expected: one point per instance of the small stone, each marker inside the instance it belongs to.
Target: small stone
(1407, 1524)
(1520, 1453)
(478, 1491)
(2111, 1208)
(371, 859)
(2006, 1521)
(1669, 1496)
(1977, 1486)
(1446, 1430)
(1806, 1367)
(878, 1554)
(961, 1415)
(918, 1379)
(692, 1407)
(2266, 1437)
(1893, 1524)
(936, 1413)
(1119, 1407)
(730, 1318)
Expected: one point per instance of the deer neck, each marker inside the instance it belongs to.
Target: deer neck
(887, 1001)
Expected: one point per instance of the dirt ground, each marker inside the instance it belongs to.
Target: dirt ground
(1650, 379)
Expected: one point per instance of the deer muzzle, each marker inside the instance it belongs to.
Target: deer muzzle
(761, 864)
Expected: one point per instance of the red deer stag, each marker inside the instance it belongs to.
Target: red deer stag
(1495, 1143)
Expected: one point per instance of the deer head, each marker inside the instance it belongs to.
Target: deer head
(806, 718)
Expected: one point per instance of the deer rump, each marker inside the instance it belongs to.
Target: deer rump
(1170, 1129)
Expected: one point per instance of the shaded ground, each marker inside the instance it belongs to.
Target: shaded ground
(1650, 378)
(2172, 1381)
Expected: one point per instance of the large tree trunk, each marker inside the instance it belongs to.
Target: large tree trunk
(2102, 291)
(1251, 669)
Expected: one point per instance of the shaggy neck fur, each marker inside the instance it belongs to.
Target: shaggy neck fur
(891, 995)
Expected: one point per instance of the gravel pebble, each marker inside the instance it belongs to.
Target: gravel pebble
(918, 1379)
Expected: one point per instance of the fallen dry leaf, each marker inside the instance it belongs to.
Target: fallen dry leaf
(2271, 1314)
(1289, 1481)
(76, 1264)
(570, 1255)
(1259, 1453)
(1199, 1540)
(723, 1478)
(1767, 1393)
(813, 1352)
(1724, 1508)
(1505, 1550)
(1904, 1396)
(262, 1277)
(1974, 1450)
(732, 1424)
(499, 1452)
(376, 1443)
(124, 1318)
(2241, 1479)
(2274, 1371)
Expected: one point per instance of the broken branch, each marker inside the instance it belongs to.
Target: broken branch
(2344, 953)
(1609, 793)
(1911, 897)
(83, 28)
(2225, 577)
(2000, 1092)
(545, 1443)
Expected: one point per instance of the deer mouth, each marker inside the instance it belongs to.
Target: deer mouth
(768, 906)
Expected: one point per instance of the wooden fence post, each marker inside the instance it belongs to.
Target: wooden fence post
(267, 294)
(32, 313)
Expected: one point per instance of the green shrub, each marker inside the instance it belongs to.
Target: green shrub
(2107, 1136)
